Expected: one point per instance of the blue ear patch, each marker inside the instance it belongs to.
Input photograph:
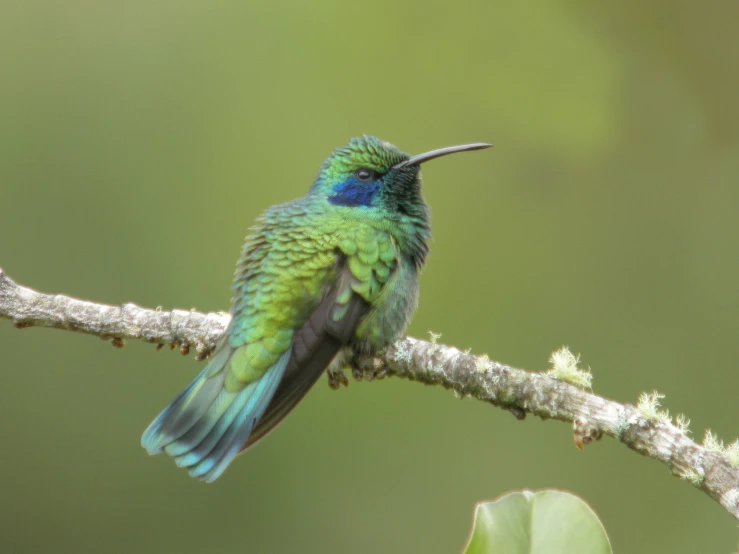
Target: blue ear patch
(353, 192)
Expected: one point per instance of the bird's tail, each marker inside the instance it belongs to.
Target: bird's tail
(205, 426)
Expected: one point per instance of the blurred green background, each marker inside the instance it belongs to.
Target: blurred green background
(139, 141)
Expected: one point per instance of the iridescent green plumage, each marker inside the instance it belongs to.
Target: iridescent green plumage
(334, 272)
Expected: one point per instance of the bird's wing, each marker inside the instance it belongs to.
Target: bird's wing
(330, 327)
(366, 262)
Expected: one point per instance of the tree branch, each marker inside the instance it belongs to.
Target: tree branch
(644, 429)
(178, 328)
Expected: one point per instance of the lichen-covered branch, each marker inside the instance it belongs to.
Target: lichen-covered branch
(178, 328)
(642, 428)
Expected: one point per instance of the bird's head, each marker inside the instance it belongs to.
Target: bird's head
(372, 173)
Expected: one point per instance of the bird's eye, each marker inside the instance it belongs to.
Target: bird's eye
(365, 175)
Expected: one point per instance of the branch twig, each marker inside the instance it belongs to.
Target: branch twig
(709, 469)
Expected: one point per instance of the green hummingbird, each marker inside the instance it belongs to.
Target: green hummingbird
(320, 279)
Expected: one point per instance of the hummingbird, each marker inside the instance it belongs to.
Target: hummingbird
(320, 280)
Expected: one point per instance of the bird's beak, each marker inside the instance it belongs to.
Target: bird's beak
(426, 156)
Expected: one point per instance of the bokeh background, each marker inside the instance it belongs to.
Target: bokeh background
(140, 139)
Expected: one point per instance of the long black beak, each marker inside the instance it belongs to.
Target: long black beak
(426, 156)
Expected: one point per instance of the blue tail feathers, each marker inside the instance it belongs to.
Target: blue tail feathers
(205, 426)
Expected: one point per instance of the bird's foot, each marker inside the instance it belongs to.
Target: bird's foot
(368, 370)
(337, 377)
(363, 368)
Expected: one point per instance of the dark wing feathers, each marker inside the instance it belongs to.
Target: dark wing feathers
(314, 346)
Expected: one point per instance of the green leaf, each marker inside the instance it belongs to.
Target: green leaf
(545, 522)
